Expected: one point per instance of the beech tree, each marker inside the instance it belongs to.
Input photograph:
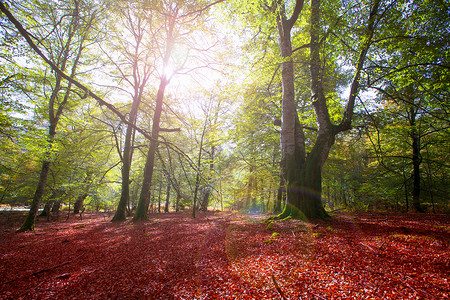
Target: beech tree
(178, 20)
(65, 40)
(410, 77)
(301, 170)
(134, 43)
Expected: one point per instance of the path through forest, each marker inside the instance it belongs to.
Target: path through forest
(227, 256)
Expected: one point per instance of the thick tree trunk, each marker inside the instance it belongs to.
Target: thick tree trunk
(302, 176)
(47, 208)
(55, 208)
(206, 192)
(78, 206)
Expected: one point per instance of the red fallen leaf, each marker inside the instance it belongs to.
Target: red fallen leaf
(223, 256)
(64, 276)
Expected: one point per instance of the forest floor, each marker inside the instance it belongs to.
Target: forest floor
(227, 256)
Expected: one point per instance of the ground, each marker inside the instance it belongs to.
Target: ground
(227, 256)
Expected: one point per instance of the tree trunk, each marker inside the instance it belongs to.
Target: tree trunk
(405, 185)
(55, 112)
(78, 206)
(142, 207)
(166, 206)
(120, 214)
(55, 208)
(304, 193)
(28, 224)
(302, 176)
(46, 211)
(416, 161)
(278, 205)
(206, 192)
(144, 198)
(177, 202)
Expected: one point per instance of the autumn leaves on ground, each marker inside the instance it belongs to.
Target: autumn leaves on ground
(227, 256)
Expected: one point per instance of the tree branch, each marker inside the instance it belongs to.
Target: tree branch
(297, 10)
(348, 114)
(88, 92)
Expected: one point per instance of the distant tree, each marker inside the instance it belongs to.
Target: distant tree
(411, 78)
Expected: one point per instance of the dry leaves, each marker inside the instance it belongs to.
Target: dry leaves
(228, 256)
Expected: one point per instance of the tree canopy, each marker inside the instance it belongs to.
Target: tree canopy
(291, 107)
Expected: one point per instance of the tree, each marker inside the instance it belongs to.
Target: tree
(135, 45)
(410, 78)
(177, 17)
(301, 170)
(69, 36)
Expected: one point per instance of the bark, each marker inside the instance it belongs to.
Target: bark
(139, 86)
(416, 160)
(55, 208)
(46, 211)
(206, 193)
(28, 224)
(166, 205)
(303, 173)
(54, 116)
(405, 185)
(199, 161)
(53, 204)
(278, 205)
(177, 202)
(78, 206)
(142, 207)
(207, 188)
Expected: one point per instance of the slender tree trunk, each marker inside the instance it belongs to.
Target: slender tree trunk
(159, 197)
(177, 202)
(29, 221)
(416, 161)
(279, 199)
(166, 205)
(199, 161)
(405, 185)
(54, 113)
(120, 214)
(144, 198)
(142, 207)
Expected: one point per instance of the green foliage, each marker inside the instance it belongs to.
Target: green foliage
(237, 118)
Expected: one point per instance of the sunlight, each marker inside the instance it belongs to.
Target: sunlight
(168, 72)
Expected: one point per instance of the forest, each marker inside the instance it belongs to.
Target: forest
(258, 134)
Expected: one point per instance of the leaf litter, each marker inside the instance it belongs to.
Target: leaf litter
(228, 256)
